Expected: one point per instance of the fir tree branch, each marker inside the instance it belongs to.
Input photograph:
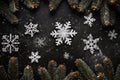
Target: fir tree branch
(44, 73)
(53, 4)
(107, 15)
(4, 11)
(73, 3)
(83, 5)
(3, 74)
(32, 4)
(14, 5)
(96, 4)
(52, 66)
(85, 70)
(100, 72)
(28, 73)
(13, 68)
(117, 74)
(60, 72)
(72, 75)
(108, 68)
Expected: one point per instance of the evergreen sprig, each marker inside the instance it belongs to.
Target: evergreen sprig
(104, 71)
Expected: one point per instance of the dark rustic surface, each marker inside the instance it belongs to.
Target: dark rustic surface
(46, 21)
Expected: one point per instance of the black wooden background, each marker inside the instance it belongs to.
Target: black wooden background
(46, 21)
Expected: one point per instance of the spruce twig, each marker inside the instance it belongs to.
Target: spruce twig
(32, 4)
(3, 74)
(72, 76)
(52, 66)
(85, 70)
(100, 72)
(60, 72)
(13, 68)
(107, 15)
(28, 73)
(14, 5)
(44, 73)
(73, 3)
(83, 5)
(117, 74)
(96, 4)
(4, 11)
(53, 4)
(108, 68)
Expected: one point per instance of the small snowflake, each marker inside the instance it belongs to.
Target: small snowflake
(31, 29)
(89, 19)
(112, 34)
(40, 42)
(66, 55)
(34, 57)
(10, 43)
(91, 44)
(64, 33)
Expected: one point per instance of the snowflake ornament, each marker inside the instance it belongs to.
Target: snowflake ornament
(91, 44)
(89, 19)
(64, 33)
(34, 57)
(112, 34)
(31, 29)
(10, 43)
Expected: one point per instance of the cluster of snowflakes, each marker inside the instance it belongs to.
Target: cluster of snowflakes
(63, 33)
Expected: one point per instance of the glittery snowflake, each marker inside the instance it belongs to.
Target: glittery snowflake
(91, 44)
(31, 29)
(64, 33)
(10, 43)
(89, 19)
(34, 57)
(112, 34)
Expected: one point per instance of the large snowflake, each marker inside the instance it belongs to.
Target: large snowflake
(91, 44)
(64, 33)
(89, 19)
(112, 34)
(10, 43)
(31, 29)
(34, 57)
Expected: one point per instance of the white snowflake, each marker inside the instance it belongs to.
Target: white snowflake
(64, 33)
(40, 42)
(10, 43)
(91, 44)
(34, 57)
(112, 34)
(31, 29)
(66, 55)
(89, 19)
